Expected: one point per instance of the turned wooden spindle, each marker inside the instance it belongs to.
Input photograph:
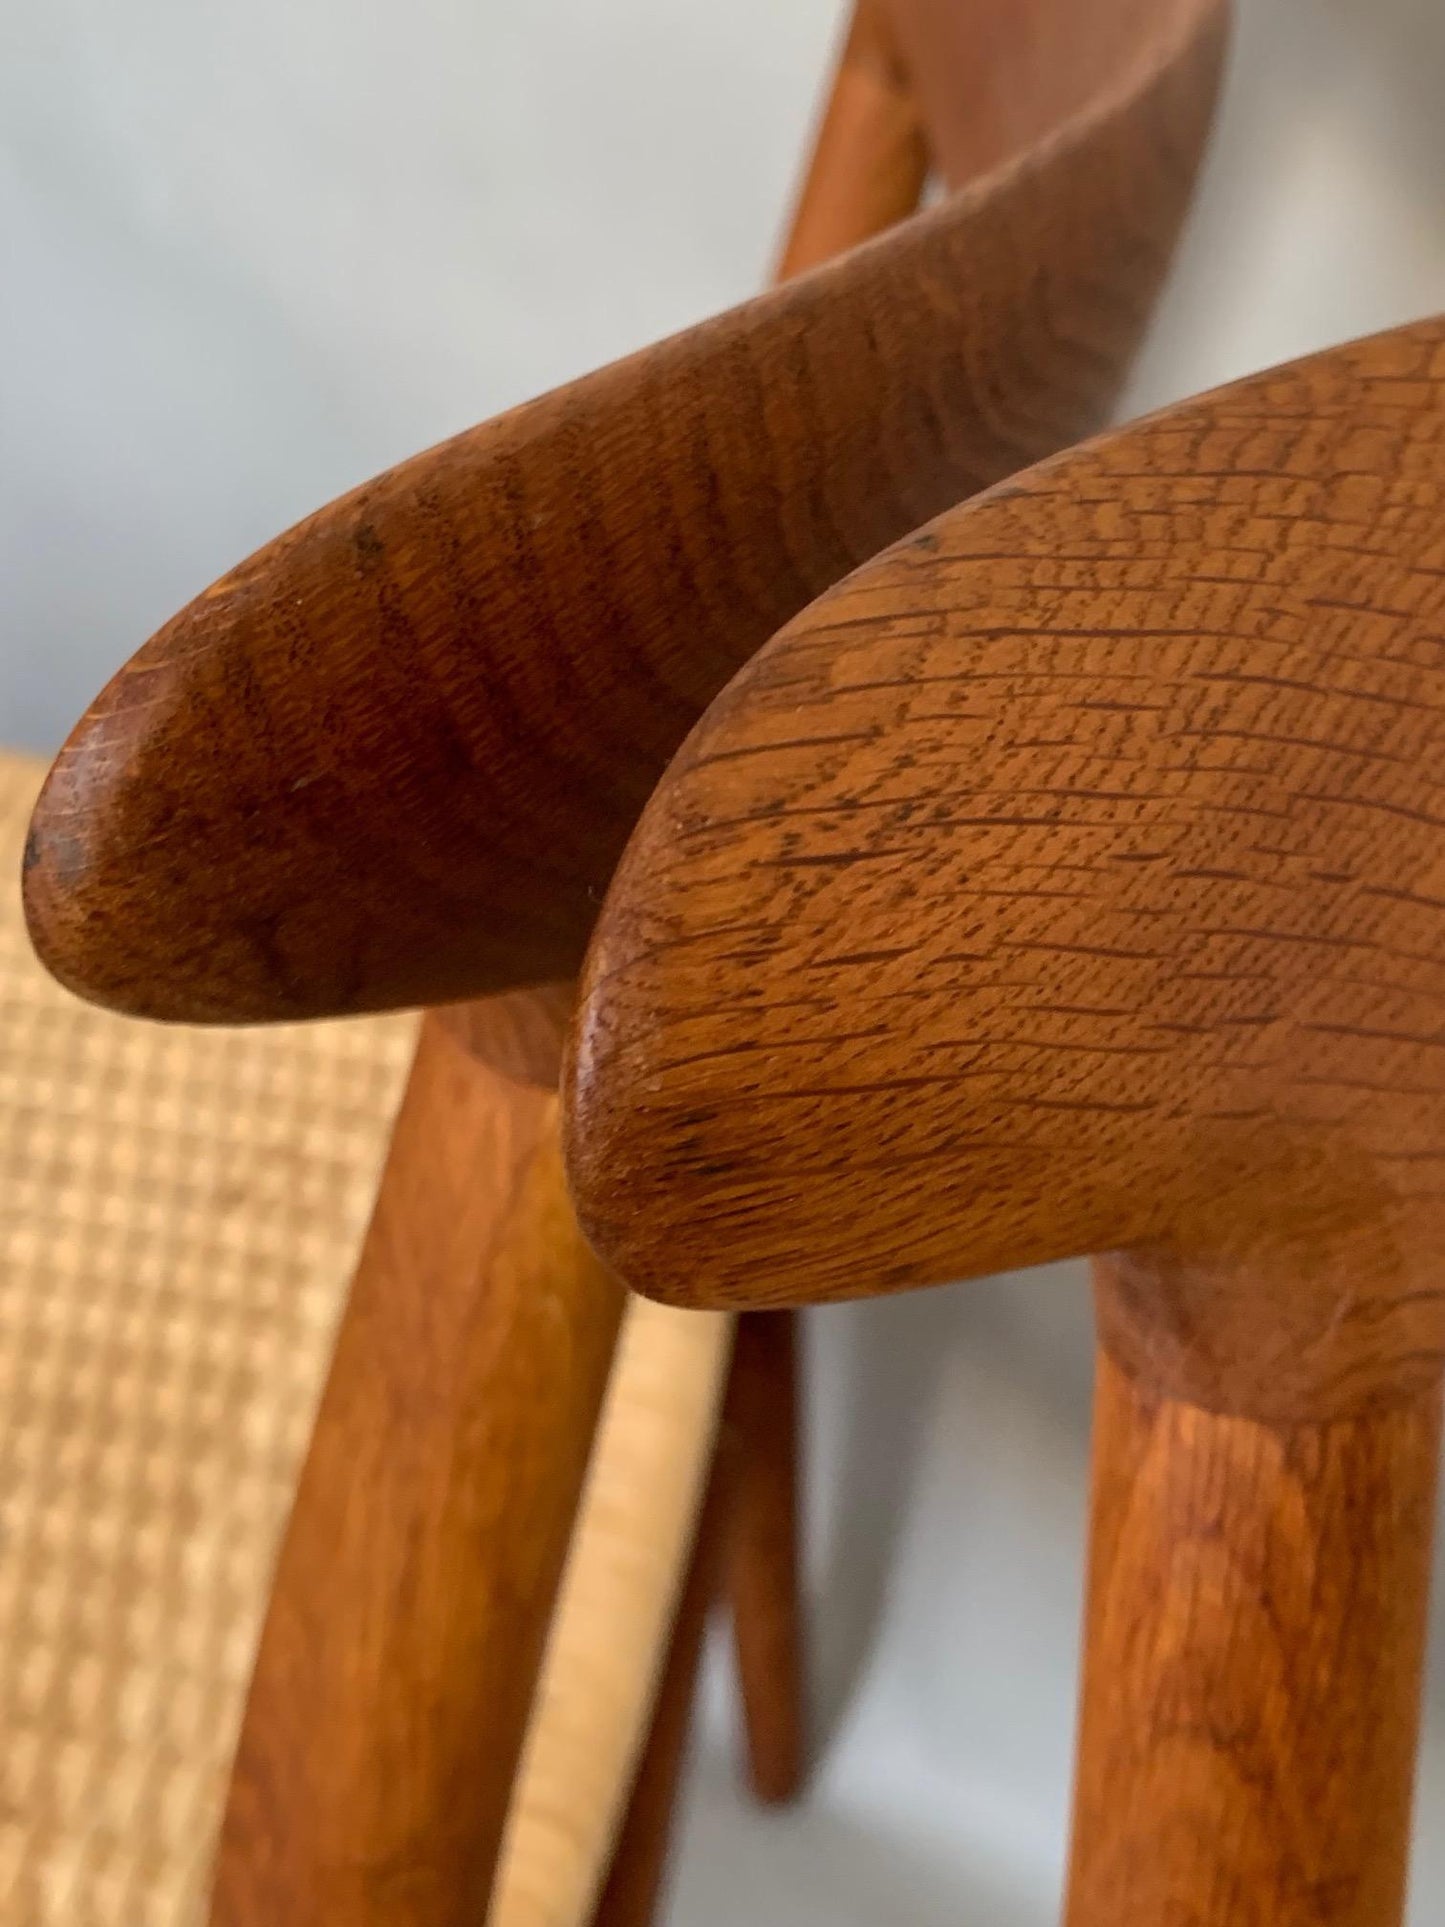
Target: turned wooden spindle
(761, 1558)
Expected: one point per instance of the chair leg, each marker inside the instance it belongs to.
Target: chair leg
(761, 1576)
(1253, 1651)
(395, 1673)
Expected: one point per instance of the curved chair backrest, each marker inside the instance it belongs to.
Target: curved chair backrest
(393, 758)
(1070, 878)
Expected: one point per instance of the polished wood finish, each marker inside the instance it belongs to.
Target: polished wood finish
(763, 1553)
(407, 1620)
(1253, 1654)
(499, 1044)
(1072, 879)
(868, 170)
(871, 153)
(507, 1055)
(392, 758)
(319, 790)
(1079, 858)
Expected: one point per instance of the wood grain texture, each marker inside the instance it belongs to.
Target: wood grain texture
(869, 165)
(1078, 864)
(1253, 1653)
(392, 759)
(571, 1782)
(1072, 879)
(867, 171)
(416, 1580)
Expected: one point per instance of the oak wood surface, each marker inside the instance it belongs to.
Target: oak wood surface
(1254, 1641)
(1078, 865)
(405, 605)
(393, 757)
(416, 1579)
(502, 1056)
(868, 169)
(1072, 879)
(994, 78)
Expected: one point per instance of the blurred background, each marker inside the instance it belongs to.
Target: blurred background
(253, 253)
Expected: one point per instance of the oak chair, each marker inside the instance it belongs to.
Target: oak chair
(1071, 880)
(392, 760)
(182, 1208)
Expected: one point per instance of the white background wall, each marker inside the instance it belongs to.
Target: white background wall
(252, 253)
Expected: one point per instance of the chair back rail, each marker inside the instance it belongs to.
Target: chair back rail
(393, 757)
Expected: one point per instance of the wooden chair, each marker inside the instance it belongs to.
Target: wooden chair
(182, 1208)
(1070, 880)
(392, 759)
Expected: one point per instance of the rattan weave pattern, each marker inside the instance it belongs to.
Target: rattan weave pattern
(179, 1213)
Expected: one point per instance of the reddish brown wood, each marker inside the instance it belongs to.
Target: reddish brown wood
(1080, 858)
(763, 1553)
(1254, 1647)
(516, 1036)
(1071, 879)
(519, 1034)
(409, 1609)
(870, 153)
(392, 758)
(868, 169)
(504, 1041)
(346, 715)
